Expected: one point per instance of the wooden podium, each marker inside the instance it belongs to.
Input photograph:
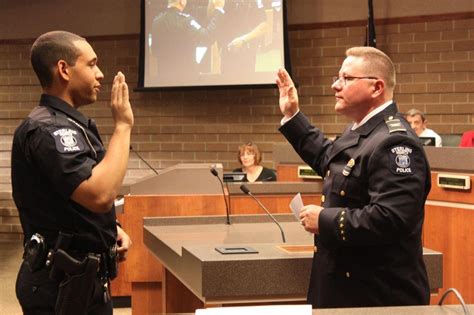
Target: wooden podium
(199, 275)
(185, 190)
(449, 219)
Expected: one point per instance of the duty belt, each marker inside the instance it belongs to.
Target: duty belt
(37, 255)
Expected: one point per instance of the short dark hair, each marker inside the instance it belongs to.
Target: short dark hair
(48, 49)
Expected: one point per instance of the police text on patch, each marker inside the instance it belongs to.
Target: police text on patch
(67, 139)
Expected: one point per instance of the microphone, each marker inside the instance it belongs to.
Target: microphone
(247, 191)
(214, 172)
(140, 157)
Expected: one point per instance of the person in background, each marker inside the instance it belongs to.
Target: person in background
(418, 122)
(64, 183)
(176, 31)
(240, 35)
(249, 157)
(368, 228)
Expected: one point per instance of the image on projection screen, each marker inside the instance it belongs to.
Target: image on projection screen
(212, 42)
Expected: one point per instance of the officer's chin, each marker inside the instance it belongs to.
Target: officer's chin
(339, 108)
(92, 98)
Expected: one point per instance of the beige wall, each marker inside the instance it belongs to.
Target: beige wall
(317, 11)
(29, 18)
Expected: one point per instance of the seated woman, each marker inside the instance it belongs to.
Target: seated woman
(249, 157)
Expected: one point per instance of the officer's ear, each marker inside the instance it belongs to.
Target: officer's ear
(63, 70)
(378, 88)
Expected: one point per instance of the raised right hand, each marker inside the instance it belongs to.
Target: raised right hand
(120, 103)
(288, 94)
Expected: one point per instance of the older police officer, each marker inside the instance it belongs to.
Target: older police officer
(376, 180)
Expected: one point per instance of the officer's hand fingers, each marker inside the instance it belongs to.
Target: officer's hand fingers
(125, 92)
(120, 77)
(125, 244)
(302, 214)
(113, 97)
(119, 93)
(283, 76)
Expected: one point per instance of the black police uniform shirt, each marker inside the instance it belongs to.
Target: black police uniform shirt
(376, 180)
(55, 149)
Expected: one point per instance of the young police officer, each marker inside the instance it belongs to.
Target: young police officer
(65, 182)
(376, 180)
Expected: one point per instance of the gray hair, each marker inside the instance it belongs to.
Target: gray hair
(413, 112)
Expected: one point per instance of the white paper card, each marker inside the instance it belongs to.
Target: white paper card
(296, 204)
(305, 309)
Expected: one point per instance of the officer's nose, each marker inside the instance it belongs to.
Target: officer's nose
(99, 75)
(336, 86)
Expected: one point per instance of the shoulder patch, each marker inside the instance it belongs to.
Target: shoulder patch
(400, 160)
(68, 140)
(394, 124)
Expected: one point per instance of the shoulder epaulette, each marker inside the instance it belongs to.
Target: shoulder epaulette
(394, 124)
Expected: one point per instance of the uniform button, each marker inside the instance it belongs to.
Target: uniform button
(323, 198)
(341, 225)
(341, 219)
(343, 212)
(342, 193)
(328, 173)
(343, 238)
(342, 232)
(348, 274)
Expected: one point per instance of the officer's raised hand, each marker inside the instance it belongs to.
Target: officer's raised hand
(98, 192)
(288, 94)
(120, 102)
